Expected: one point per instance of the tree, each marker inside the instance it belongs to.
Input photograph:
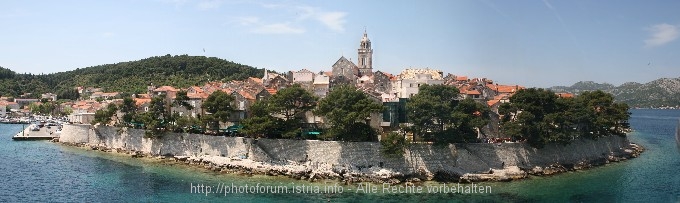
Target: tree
(47, 108)
(607, 117)
(158, 117)
(431, 110)
(393, 145)
(540, 117)
(261, 123)
(104, 115)
(219, 106)
(35, 108)
(469, 117)
(437, 114)
(129, 109)
(526, 115)
(347, 110)
(182, 99)
(185, 123)
(292, 103)
(67, 110)
(70, 94)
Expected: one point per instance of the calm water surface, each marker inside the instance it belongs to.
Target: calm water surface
(40, 171)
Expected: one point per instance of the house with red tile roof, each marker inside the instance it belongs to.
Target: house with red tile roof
(169, 91)
(195, 90)
(564, 95)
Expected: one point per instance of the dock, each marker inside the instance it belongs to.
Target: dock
(42, 134)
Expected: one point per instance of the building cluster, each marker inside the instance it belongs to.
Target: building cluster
(390, 89)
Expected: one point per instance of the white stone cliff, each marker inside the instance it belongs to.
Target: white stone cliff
(336, 159)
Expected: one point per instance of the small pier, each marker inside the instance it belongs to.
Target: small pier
(43, 134)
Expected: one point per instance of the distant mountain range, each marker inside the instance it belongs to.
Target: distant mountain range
(658, 93)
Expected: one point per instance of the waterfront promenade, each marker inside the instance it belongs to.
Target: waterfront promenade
(43, 134)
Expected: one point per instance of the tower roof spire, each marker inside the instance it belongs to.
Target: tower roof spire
(365, 38)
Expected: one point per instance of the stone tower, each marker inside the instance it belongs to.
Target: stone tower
(365, 62)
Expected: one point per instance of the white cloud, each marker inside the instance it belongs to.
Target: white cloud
(333, 20)
(278, 28)
(304, 12)
(300, 17)
(661, 34)
(547, 4)
(210, 4)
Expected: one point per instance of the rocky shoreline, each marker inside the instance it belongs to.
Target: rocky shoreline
(349, 174)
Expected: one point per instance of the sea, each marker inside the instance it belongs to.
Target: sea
(41, 171)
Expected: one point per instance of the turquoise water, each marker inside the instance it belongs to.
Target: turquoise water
(40, 171)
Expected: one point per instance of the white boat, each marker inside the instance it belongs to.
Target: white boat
(35, 127)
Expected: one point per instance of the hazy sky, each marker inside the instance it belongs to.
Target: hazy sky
(527, 42)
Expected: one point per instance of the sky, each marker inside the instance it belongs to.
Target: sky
(535, 43)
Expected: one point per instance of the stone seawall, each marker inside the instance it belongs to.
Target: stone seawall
(349, 160)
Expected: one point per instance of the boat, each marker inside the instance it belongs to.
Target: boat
(35, 128)
(13, 121)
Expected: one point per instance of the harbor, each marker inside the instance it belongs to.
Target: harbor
(42, 133)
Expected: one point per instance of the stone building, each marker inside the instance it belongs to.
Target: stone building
(305, 78)
(365, 59)
(274, 81)
(382, 81)
(344, 72)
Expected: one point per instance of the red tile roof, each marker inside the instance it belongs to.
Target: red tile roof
(227, 90)
(271, 91)
(492, 102)
(473, 92)
(246, 95)
(165, 89)
(565, 95)
(196, 89)
(505, 88)
(139, 101)
(461, 78)
(201, 95)
(257, 80)
(144, 96)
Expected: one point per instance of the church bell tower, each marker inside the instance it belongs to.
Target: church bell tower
(365, 58)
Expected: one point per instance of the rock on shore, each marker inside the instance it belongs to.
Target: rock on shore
(314, 171)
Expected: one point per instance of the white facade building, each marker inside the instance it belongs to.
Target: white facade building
(321, 85)
(303, 76)
(411, 79)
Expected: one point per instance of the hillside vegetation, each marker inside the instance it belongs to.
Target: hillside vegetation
(658, 93)
(130, 77)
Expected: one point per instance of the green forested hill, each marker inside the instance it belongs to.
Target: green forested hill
(130, 77)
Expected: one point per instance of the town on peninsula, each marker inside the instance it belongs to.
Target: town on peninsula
(349, 122)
